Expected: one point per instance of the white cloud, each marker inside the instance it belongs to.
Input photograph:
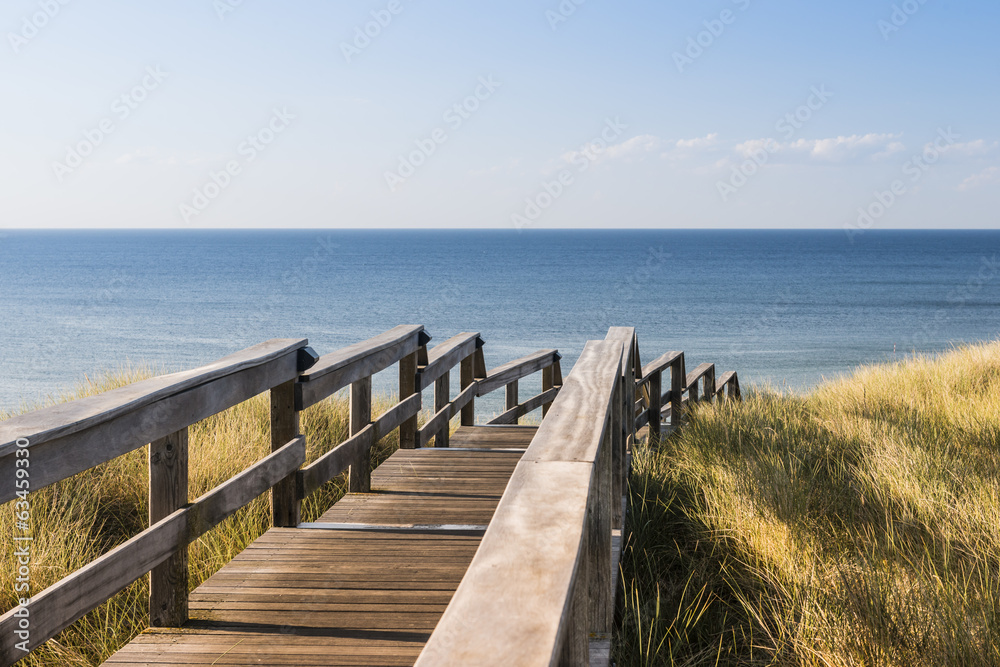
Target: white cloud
(638, 145)
(988, 175)
(976, 148)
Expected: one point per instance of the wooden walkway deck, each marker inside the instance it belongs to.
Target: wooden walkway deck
(367, 583)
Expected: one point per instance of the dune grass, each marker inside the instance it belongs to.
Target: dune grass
(859, 525)
(78, 519)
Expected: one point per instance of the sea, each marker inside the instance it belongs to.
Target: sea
(785, 309)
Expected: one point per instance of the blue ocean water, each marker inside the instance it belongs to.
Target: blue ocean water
(782, 307)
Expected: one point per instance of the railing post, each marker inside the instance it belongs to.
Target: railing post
(442, 394)
(468, 376)
(655, 402)
(677, 380)
(285, 505)
(710, 384)
(511, 401)
(408, 387)
(168, 492)
(548, 375)
(360, 475)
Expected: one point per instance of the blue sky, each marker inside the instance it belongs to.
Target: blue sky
(630, 114)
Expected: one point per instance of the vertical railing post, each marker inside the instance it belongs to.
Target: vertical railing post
(710, 384)
(655, 403)
(408, 387)
(168, 492)
(548, 373)
(360, 475)
(468, 376)
(677, 380)
(512, 399)
(285, 505)
(442, 394)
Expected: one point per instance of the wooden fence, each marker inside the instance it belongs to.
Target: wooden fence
(541, 587)
(542, 580)
(69, 438)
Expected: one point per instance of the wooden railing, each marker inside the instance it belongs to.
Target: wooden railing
(69, 438)
(654, 403)
(542, 581)
(541, 588)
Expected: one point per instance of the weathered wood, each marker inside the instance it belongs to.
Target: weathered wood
(512, 415)
(442, 398)
(574, 429)
(61, 604)
(72, 437)
(337, 370)
(692, 380)
(709, 383)
(224, 500)
(677, 378)
(334, 462)
(575, 633)
(396, 415)
(600, 520)
(547, 383)
(168, 492)
(661, 364)
(655, 396)
(503, 375)
(517, 592)
(730, 383)
(360, 476)
(511, 395)
(408, 387)
(285, 505)
(468, 380)
(442, 358)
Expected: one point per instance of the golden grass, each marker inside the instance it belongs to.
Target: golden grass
(78, 519)
(859, 525)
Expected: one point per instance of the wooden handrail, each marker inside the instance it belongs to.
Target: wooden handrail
(501, 376)
(335, 371)
(442, 358)
(68, 438)
(542, 575)
(661, 364)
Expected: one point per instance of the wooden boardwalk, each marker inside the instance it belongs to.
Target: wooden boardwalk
(364, 585)
(497, 544)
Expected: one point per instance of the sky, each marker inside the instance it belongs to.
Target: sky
(514, 114)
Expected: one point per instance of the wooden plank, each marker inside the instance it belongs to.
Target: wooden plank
(61, 604)
(360, 475)
(511, 395)
(399, 413)
(442, 358)
(72, 437)
(337, 370)
(168, 492)
(334, 462)
(655, 396)
(574, 428)
(517, 591)
(221, 502)
(501, 376)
